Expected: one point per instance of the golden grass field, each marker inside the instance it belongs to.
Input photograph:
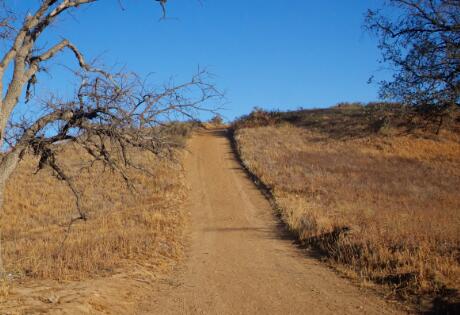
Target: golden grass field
(123, 226)
(380, 207)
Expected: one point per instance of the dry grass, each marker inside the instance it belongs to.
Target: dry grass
(383, 208)
(122, 227)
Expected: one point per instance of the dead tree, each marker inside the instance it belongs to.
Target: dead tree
(108, 108)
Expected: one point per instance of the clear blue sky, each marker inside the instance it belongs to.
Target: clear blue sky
(272, 54)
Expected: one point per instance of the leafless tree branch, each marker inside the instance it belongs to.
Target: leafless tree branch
(423, 46)
(109, 115)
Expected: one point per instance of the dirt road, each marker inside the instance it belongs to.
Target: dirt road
(239, 262)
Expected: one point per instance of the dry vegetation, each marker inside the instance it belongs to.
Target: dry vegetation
(124, 226)
(383, 206)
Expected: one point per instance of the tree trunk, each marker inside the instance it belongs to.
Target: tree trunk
(8, 164)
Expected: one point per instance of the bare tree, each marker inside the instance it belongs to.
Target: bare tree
(422, 43)
(109, 113)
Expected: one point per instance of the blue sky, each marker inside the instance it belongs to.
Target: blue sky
(271, 54)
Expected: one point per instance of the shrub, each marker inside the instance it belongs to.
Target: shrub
(258, 118)
(217, 120)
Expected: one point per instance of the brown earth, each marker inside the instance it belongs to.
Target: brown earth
(239, 260)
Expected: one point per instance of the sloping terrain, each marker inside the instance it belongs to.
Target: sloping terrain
(377, 195)
(104, 264)
(240, 261)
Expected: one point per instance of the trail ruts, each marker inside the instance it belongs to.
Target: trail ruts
(238, 261)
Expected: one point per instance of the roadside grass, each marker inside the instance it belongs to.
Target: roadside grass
(381, 205)
(124, 226)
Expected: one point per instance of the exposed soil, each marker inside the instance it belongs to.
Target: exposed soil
(239, 261)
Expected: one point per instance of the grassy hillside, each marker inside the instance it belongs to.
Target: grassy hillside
(124, 226)
(377, 196)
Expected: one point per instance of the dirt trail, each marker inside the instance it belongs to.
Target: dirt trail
(238, 261)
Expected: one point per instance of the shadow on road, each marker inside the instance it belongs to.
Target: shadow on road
(441, 304)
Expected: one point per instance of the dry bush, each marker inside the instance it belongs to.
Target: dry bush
(217, 120)
(383, 208)
(346, 105)
(123, 226)
(347, 120)
(258, 118)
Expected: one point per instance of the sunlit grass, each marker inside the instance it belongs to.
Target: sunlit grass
(123, 226)
(380, 207)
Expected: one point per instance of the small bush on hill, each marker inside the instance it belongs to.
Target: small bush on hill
(353, 120)
(217, 120)
(258, 118)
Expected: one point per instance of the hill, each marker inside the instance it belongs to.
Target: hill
(375, 193)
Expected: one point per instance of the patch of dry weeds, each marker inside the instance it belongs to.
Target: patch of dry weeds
(384, 208)
(123, 226)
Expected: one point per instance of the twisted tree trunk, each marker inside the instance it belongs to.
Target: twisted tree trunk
(123, 112)
(8, 164)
